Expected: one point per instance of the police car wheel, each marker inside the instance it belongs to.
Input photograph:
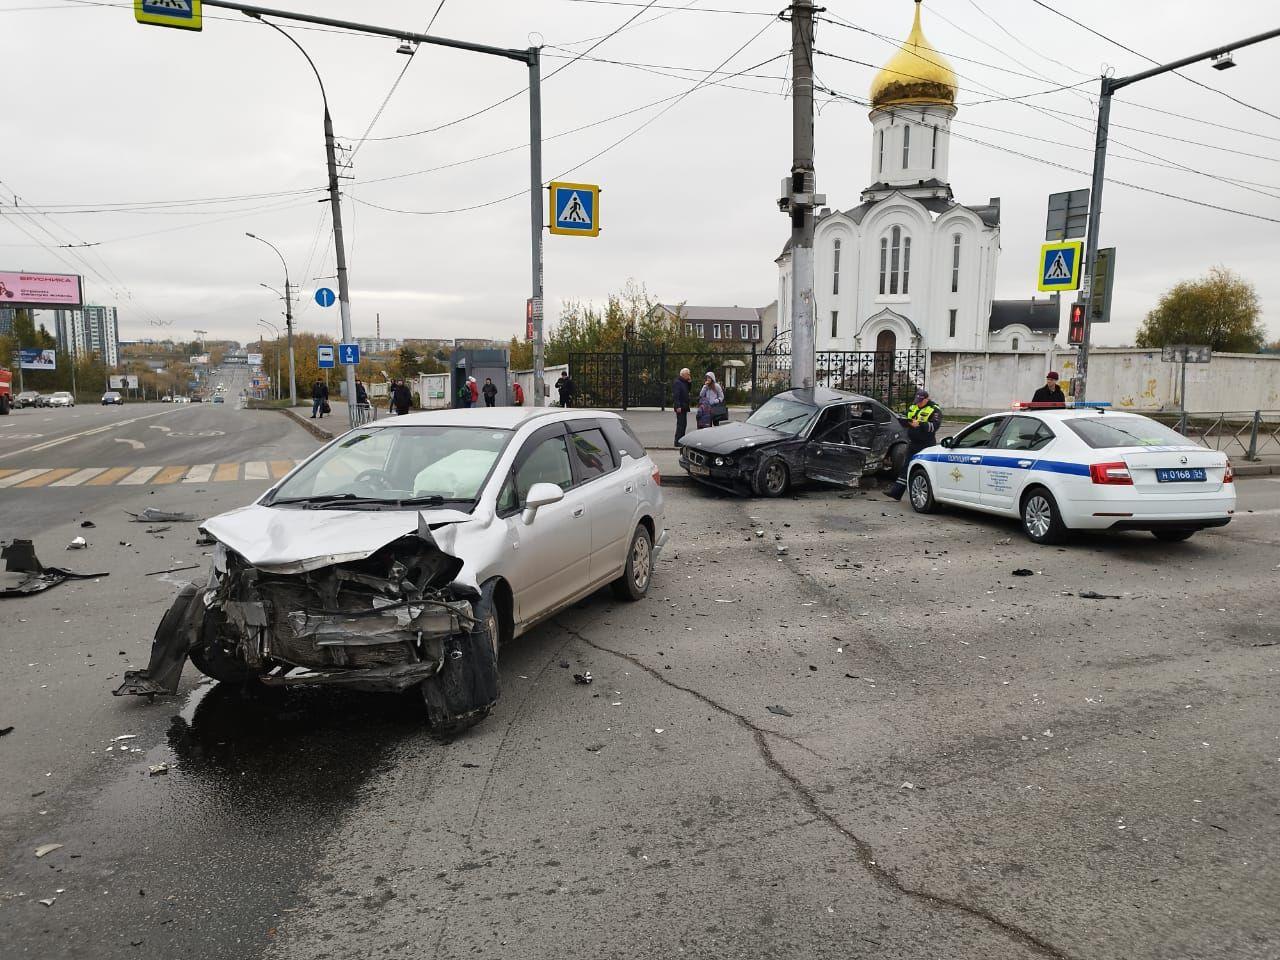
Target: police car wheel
(920, 492)
(1040, 518)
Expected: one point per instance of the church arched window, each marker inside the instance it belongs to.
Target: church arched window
(880, 151)
(1015, 343)
(895, 262)
(835, 266)
(884, 265)
(933, 162)
(955, 263)
(895, 258)
(906, 263)
(906, 146)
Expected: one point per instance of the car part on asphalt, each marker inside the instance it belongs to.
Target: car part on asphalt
(154, 515)
(25, 574)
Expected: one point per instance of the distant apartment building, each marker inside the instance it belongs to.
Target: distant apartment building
(376, 345)
(7, 315)
(89, 330)
(732, 327)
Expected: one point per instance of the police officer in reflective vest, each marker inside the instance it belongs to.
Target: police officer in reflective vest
(922, 420)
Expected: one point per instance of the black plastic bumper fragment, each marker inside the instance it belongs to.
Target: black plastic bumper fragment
(175, 636)
(24, 573)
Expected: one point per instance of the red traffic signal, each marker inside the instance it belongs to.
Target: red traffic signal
(1075, 332)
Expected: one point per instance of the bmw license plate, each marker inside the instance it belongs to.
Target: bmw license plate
(1181, 475)
(698, 471)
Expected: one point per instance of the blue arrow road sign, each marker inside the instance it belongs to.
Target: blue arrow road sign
(324, 356)
(325, 297)
(349, 354)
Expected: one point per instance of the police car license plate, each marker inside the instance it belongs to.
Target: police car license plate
(698, 471)
(1184, 475)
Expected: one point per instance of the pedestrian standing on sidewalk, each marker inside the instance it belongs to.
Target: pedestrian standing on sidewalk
(922, 420)
(566, 388)
(517, 393)
(474, 390)
(710, 396)
(401, 398)
(680, 401)
(490, 392)
(362, 395)
(319, 397)
(1050, 392)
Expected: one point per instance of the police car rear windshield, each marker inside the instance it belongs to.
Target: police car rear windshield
(1121, 431)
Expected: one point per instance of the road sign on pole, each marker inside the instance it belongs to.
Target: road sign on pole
(349, 354)
(575, 209)
(1060, 265)
(183, 14)
(325, 297)
(1098, 295)
(1068, 215)
(324, 356)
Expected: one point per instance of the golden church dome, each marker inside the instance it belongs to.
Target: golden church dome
(916, 74)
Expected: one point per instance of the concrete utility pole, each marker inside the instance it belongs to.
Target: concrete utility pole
(535, 215)
(801, 195)
(1109, 85)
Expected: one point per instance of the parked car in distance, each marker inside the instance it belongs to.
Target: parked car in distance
(112, 396)
(818, 434)
(166, 399)
(218, 398)
(27, 398)
(195, 398)
(399, 556)
(1084, 468)
(62, 398)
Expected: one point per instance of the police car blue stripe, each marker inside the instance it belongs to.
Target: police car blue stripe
(1013, 463)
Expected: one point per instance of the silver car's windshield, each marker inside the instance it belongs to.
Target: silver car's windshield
(783, 414)
(379, 467)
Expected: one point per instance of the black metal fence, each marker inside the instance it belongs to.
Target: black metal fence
(642, 378)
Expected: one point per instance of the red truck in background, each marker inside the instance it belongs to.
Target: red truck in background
(6, 391)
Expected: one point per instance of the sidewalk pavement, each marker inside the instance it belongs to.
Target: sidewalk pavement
(656, 430)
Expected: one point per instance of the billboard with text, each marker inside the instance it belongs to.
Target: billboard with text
(48, 291)
(31, 359)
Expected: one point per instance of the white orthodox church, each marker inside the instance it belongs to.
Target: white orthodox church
(909, 268)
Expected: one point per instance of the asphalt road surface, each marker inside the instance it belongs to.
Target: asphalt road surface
(968, 763)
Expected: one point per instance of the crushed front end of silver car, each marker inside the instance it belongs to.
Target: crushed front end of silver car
(390, 621)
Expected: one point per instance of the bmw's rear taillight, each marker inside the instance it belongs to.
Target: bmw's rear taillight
(1112, 474)
(1229, 475)
(657, 476)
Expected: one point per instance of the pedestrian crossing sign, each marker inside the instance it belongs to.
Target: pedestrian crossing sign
(183, 14)
(575, 209)
(1060, 265)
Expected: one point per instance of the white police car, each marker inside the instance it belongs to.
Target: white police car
(1077, 468)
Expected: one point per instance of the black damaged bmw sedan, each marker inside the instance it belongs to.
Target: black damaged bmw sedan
(819, 434)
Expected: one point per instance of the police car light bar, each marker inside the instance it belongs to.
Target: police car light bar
(1068, 405)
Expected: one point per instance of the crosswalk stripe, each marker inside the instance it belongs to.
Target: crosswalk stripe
(170, 474)
(280, 467)
(48, 477)
(256, 470)
(79, 477)
(5, 473)
(227, 471)
(110, 477)
(200, 473)
(140, 476)
(21, 476)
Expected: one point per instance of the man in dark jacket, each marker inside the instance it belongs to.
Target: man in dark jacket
(490, 391)
(680, 401)
(922, 420)
(1050, 392)
(567, 389)
(319, 396)
(401, 398)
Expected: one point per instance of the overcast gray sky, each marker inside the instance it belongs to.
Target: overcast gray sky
(124, 135)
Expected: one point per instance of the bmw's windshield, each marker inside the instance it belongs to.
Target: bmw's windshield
(389, 467)
(783, 414)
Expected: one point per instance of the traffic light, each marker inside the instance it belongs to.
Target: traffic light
(1075, 332)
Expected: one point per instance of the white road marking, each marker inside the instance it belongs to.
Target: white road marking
(22, 476)
(140, 476)
(156, 426)
(136, 444)
(79, 477)
(83, 433)
(200, 473)
(256, 470)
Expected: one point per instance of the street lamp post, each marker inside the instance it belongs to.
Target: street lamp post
(288, 318)
(276, 330)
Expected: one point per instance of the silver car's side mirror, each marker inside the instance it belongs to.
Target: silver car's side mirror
(540, 495)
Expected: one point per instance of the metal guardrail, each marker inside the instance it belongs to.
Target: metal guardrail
(1248, 433)
(362, 413)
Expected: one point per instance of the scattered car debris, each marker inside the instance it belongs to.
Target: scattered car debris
(47, 848)
(124, 736)
(595, 747)
(79, 543)
(203, 540)
(48, 902)
(471, 766)
(1091, 595)
(87, 524)
(659, 729)
(158, 769)
(125, 543)
(1005, 542)
(155, 515)
(5, 731)
(25, 574)
(907, 785)
(156, 573)
(1024, 572)
(583, 678)
(564, 664)
(780, 711)
(157, 530)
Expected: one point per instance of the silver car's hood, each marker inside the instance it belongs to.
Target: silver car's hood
(292, 540)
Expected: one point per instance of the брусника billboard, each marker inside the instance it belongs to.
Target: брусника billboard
(40, 290)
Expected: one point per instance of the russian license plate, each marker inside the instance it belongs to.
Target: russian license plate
(1181, 475)
(698, 471)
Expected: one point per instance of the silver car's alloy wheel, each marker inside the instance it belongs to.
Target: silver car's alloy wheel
(1037, 516)
(919, 492)
(641, 563)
